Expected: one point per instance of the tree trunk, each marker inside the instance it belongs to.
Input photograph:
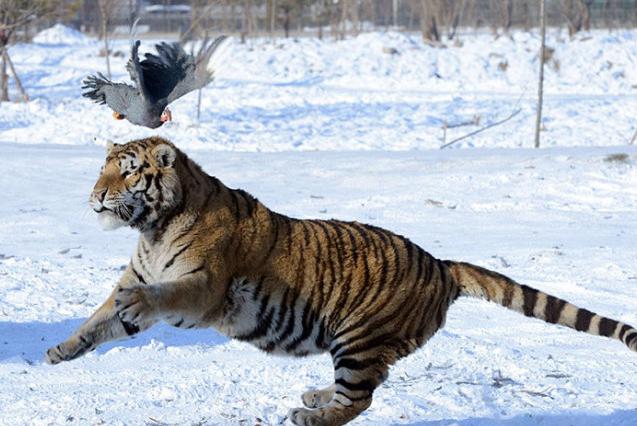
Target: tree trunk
(344, 7)
(6, 59)
(104, 7)
(540, 90)
(107, 55)
(353, 11)
(507, 15)
(4, 78)
(586, 14)
(270, 16)
(319, 19)
(455, 9)
(429, 11)
(247, 20)
(286, 20)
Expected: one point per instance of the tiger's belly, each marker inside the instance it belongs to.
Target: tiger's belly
(279, 323)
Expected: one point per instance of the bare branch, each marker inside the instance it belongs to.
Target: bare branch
(497, 123)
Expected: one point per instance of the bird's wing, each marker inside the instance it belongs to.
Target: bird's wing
(172, 72)
(135, 70)
(118, 96)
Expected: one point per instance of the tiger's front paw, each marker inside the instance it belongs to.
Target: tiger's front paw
(135, 305)
(73, 348)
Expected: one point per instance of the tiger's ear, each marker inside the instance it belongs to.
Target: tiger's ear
(109, 146)
(165, 155)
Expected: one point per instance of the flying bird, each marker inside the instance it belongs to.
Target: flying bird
(158, 80)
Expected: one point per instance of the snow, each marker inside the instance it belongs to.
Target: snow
(60, 34)
(345, 131)
(307, 94)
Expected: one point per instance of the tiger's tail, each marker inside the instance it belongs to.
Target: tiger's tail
(482, 283)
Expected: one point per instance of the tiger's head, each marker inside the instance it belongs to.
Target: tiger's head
(137, 185)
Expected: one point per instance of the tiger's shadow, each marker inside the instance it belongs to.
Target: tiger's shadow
(28, 341)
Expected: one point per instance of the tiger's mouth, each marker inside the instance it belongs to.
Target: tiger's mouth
(113, 215)
(109, 219)
(102, 209)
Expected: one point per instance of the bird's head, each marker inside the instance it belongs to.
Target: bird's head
(166, 116)
(138, 184)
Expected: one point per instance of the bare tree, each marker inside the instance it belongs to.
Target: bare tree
(201, 10)
(287, 7)
(437, 15)
(247, 23)
(577, 14)
(16, 15)
(106, 8)
(540, 90)
(270, 16)
(506, 14)
(429, 23)
(452, 13)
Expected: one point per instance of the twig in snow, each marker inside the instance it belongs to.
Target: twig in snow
(497, 123)
(499, 380)
(558, 376)
(633, 139)
(535, 393)
(473, 122)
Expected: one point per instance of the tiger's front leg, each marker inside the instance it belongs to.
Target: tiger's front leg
(103, 326)
(182, 303)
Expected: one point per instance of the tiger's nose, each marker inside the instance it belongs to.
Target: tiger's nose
(100, 194)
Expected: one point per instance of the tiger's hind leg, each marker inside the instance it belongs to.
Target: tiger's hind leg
(316, 398)
(358, 371)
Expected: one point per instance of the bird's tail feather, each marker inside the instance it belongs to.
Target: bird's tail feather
(133, 31)
(215, 53)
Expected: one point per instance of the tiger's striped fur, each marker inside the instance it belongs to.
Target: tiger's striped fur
(211, 256)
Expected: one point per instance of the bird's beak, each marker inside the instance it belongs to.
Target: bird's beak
(118, 116)
(166, 116)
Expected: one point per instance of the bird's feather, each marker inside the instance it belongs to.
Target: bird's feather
(135, 70)
(172, 72)
(117, 96)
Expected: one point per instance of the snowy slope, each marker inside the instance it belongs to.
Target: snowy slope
(306, 94)
(562, 220)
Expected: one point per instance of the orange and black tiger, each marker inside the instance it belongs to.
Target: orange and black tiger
(211, 256)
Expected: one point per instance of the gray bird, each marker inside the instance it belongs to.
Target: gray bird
(159, 80)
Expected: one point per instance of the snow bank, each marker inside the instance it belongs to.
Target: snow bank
(387, 91)
(597, 62)
(61, 35)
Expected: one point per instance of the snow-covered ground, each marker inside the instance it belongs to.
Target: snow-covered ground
(348, 127)
(562, 220)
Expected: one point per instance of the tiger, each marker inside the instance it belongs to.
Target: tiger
(212, 256)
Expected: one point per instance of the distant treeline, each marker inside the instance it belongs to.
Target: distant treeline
(436, 19)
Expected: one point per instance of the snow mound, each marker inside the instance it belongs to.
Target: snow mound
(61, 34)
